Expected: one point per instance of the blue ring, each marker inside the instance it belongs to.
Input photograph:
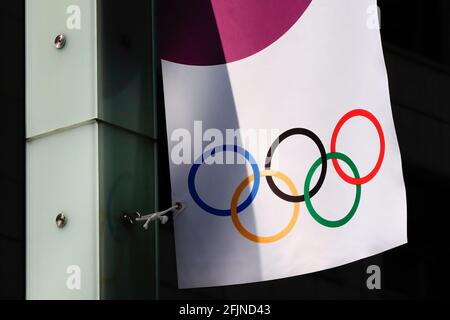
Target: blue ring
(199, 162)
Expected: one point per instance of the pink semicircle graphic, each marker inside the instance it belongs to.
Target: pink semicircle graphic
(212, 32)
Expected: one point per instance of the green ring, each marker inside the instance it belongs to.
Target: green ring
(309, 206)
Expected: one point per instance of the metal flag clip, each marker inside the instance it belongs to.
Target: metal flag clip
(161, 215)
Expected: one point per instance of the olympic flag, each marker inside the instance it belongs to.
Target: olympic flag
(281, 139)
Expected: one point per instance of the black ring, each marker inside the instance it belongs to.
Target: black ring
(323, 155)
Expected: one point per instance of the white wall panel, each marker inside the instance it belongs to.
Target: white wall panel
(62, 176)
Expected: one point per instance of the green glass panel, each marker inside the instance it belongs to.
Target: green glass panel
(61, 83)
(127, 185)
(125, 65)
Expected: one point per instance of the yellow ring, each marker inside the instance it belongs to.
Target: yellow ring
(235, 199)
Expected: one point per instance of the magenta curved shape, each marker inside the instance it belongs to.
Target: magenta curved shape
(211, 32)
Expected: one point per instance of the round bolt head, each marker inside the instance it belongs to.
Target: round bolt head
(61, 220)
(60, 41)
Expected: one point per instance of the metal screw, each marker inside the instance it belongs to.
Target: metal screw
(61, 220)
(60, 41)
(179, 206)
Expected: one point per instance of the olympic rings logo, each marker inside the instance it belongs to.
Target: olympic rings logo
(294, 196)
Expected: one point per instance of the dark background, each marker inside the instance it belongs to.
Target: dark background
(12, 154)
(416, 37)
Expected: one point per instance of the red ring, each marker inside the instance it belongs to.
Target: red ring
(344, 119)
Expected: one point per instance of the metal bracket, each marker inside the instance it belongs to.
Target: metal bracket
(133, 218)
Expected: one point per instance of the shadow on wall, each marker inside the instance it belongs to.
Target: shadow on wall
(221, 115)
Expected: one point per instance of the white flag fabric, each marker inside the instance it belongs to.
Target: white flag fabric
(281, 139)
